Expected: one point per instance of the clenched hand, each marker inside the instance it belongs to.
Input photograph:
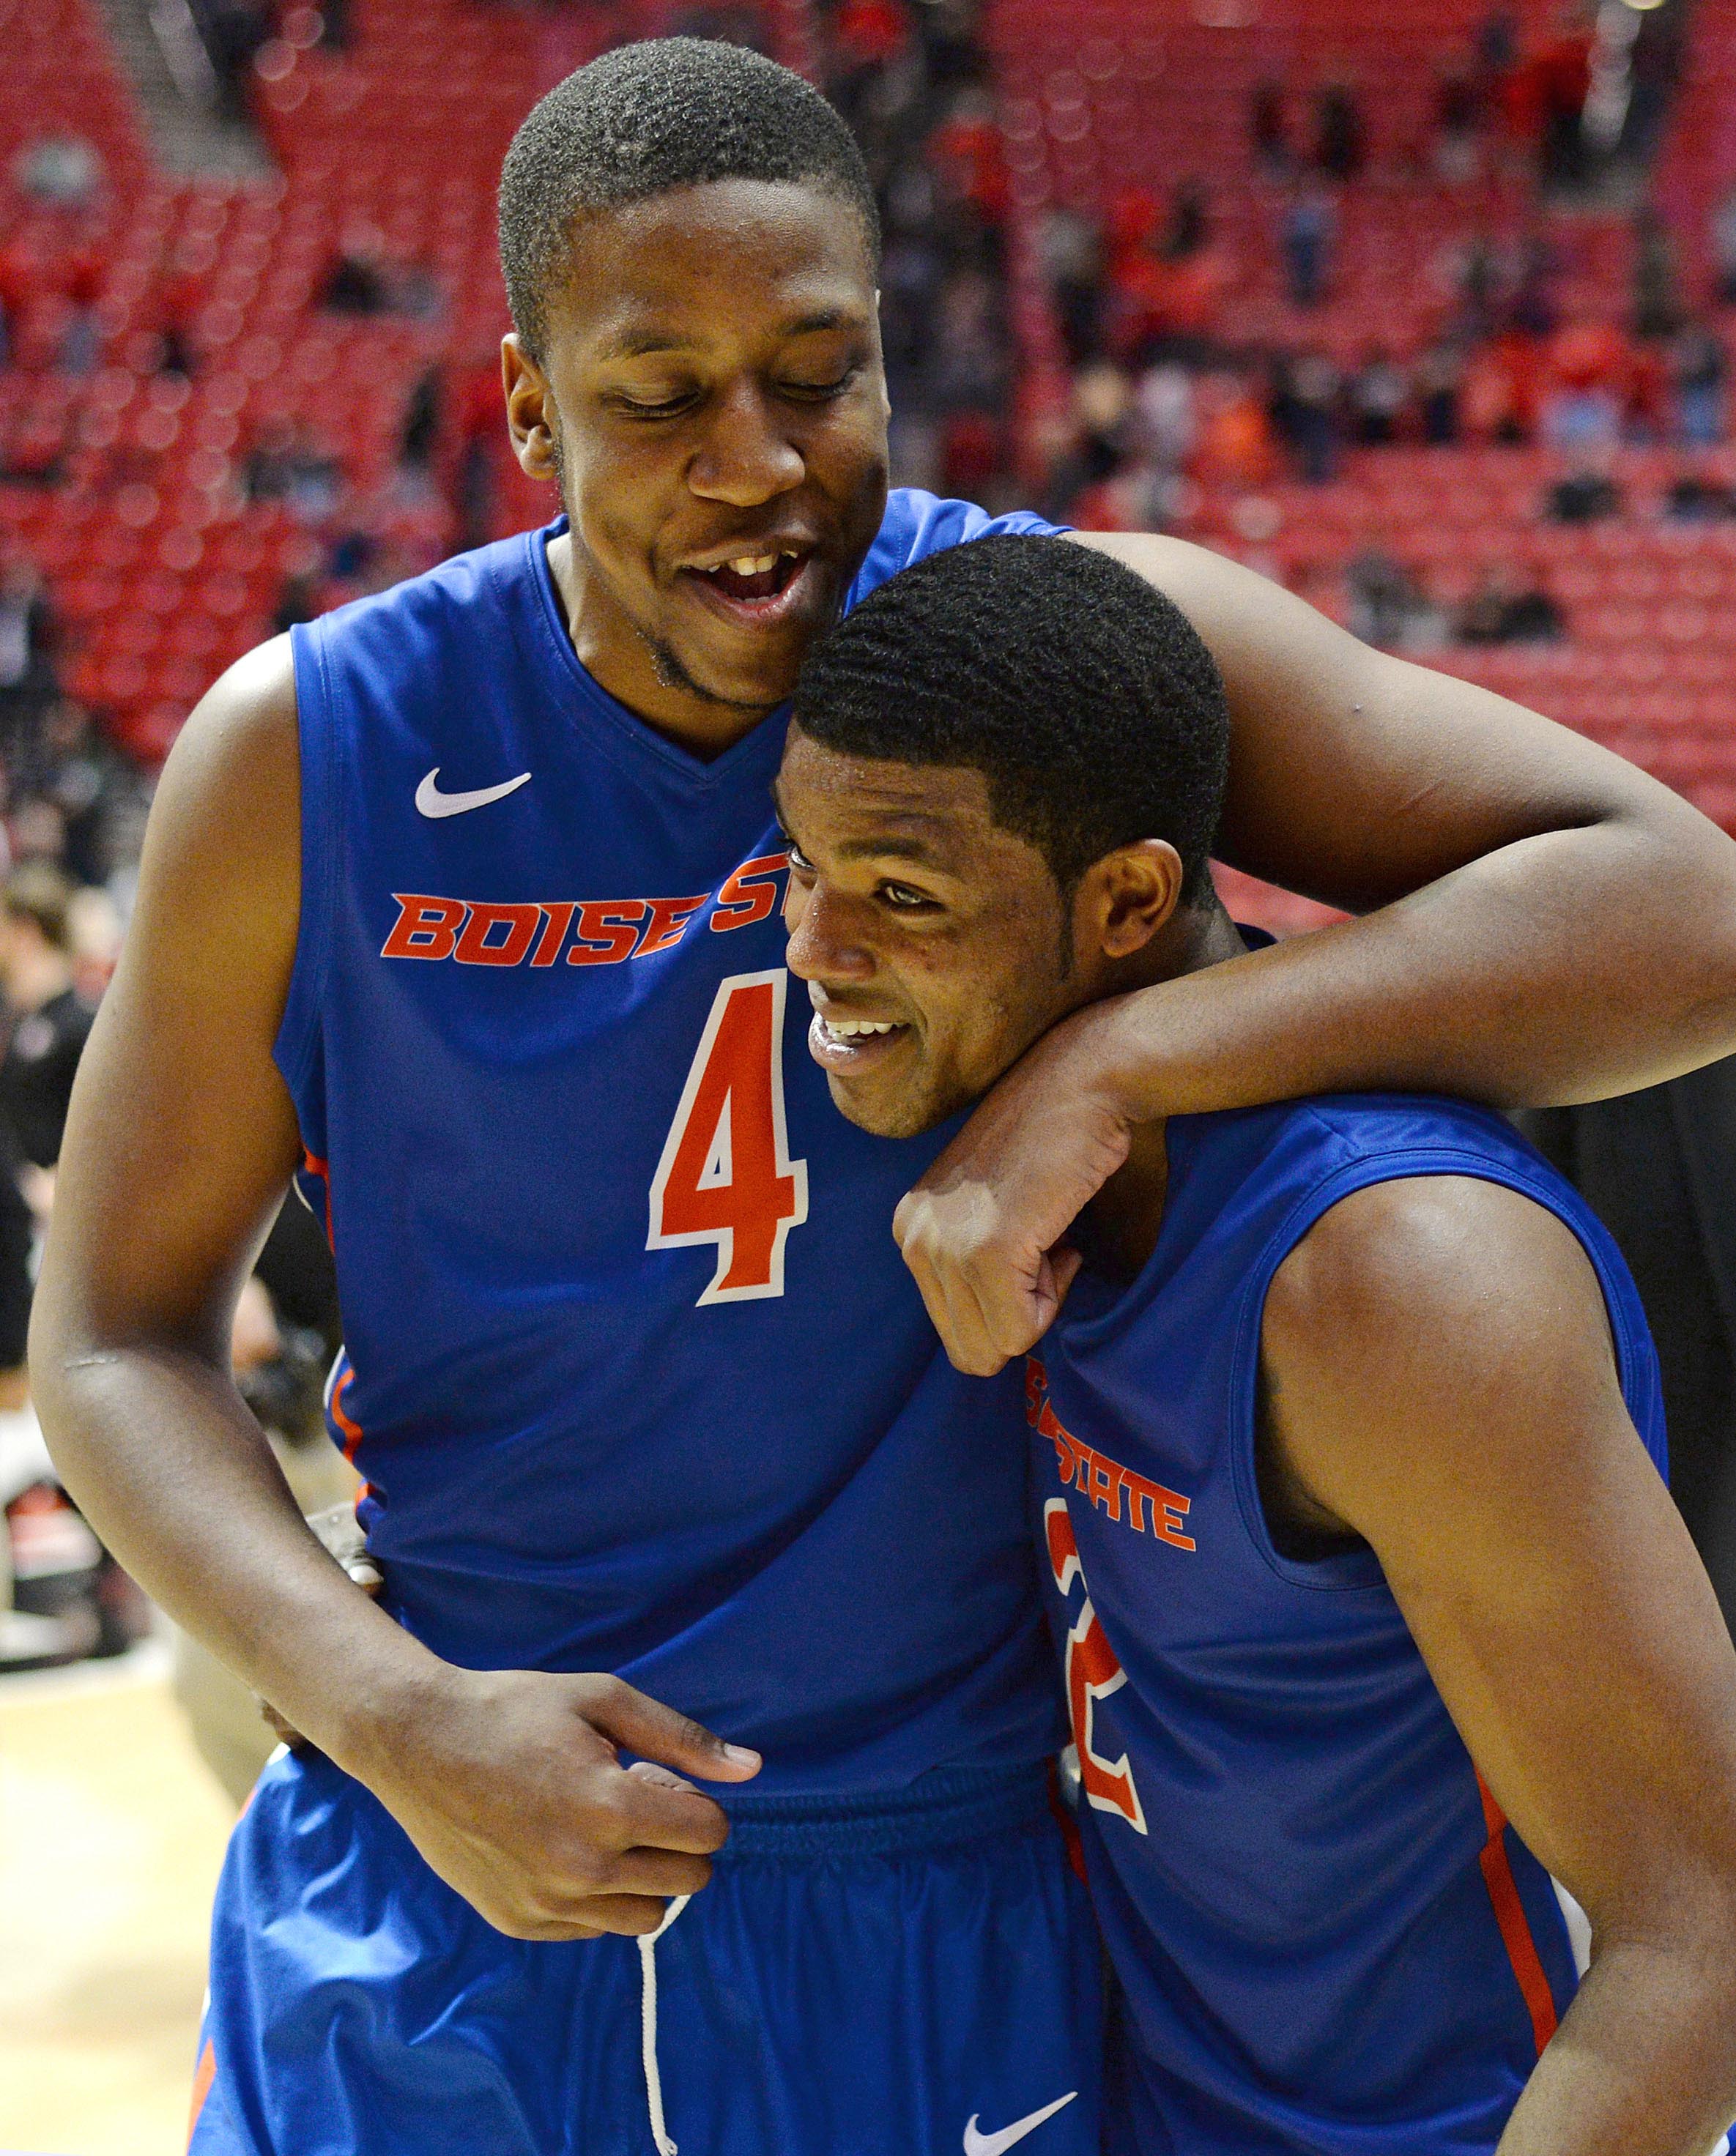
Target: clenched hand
(982, 1231)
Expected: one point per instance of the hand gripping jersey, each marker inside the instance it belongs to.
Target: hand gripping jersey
(1328, 1938)
(634, 1370)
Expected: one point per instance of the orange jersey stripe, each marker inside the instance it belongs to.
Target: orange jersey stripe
(315, 1165)
(1497, 1873)
(345, 1422)
(202, 2081)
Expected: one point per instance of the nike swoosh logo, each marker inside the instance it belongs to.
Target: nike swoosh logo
(432, 801)
(993, 2144)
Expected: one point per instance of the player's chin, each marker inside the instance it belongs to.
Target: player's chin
(887, 1112)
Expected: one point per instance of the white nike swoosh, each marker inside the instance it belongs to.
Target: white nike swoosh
(432, 801)
(993, 2144)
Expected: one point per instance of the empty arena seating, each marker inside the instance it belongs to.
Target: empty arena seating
(1107, 91)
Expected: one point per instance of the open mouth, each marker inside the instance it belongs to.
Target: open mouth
(761, 587)
(847, 1045)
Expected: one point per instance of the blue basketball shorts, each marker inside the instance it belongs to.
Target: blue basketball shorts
(912, 1975)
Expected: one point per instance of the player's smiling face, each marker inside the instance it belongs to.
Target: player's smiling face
(713, 394)
(935, 945)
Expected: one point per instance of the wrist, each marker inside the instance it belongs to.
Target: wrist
(1107, 1053)
(390, 1695)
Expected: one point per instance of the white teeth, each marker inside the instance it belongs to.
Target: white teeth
(846, 1029)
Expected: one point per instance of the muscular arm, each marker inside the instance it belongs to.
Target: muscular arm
(181, 1139)
(1543, 923)
(1440, 1379)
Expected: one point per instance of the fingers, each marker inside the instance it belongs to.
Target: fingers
(340, 1535)
(658, 1733)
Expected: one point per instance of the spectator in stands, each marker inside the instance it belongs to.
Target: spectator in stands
(1721, 244)
(1699, 498)
(356, 282)
(1388, 605)
(1190, 222)
(1505, 609)
(1454, 153)
(1562, 75)
(48, 1022)
(1341, 135)
(29, 683)
(1306, 238)
(1440, 379)
(1378, 394)
(1307, 411)
(1657, 277)
(1269, 129)
(1699, 366)
(1582, 498)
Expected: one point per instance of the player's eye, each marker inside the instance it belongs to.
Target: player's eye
(654, 408)
(900, 897)
(816, 393)
(798, 861)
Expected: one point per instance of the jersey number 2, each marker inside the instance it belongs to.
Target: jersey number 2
(1093, 1671)
(726, 1176)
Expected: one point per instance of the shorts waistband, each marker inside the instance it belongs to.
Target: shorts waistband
(950, 1807)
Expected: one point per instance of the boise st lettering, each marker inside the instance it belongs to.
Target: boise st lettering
(588, 932)
(1150, 1509)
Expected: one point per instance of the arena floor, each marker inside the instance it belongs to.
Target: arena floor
(111, 1832)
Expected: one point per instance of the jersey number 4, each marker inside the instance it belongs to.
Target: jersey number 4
(1093, 1671)
(726, 1176)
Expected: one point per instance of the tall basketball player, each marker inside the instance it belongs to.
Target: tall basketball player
(460, 907)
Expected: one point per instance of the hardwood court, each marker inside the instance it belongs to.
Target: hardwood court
(111, 1832)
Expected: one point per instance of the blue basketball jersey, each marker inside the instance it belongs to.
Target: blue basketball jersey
(633, 1369)
(1328, 1938)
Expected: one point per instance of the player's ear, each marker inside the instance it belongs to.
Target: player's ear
(530, 409)
(1130, 895)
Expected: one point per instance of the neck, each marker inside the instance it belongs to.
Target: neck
(1122, 1220)
(623, 661)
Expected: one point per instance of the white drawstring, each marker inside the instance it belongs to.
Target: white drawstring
(647, 2024)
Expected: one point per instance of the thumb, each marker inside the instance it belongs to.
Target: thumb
(655, 1731)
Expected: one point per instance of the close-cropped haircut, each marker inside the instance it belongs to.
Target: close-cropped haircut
(1086, 698)
(668, 112)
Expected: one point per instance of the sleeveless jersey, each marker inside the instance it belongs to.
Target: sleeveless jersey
(1328, 1938)
(634, 1370)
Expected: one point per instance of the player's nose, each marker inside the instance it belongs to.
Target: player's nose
(746, 459)
(824, 944)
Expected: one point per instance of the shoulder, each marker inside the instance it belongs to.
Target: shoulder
(917, 524)
(1407, 1286)
(224, 833)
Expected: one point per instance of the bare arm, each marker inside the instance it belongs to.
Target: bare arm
(181, 1139)
(1548, 924)
(1440, 1379)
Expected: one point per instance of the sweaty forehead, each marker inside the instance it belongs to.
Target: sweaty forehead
(730, 258)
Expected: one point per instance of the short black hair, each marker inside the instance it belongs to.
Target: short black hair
(667, 112)
(1083, 695)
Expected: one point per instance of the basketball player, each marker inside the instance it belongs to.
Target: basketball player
(1348, 1444)
(461, 908)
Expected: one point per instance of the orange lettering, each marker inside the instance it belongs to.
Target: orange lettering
(520, 923)
(426, 927)
(750, 893)
(608, 929)
(668, 923)
(560, 911)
